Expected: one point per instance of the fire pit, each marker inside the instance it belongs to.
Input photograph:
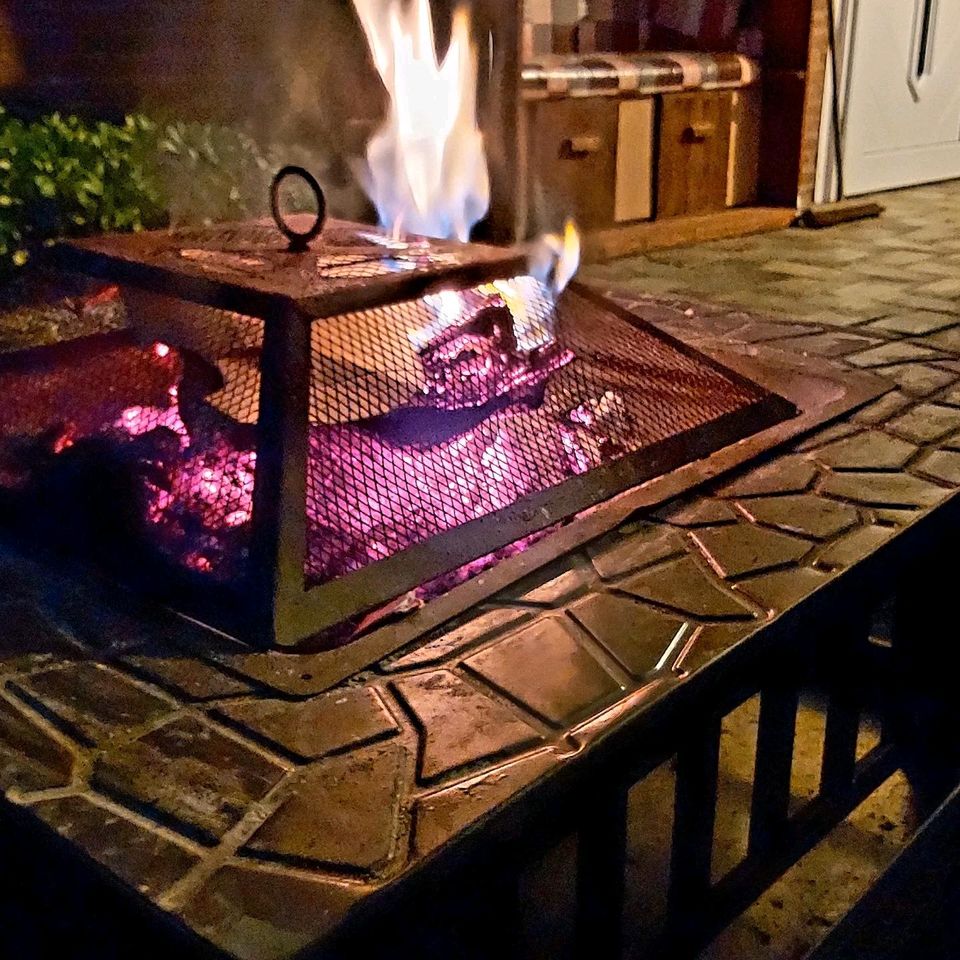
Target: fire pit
(291, 441)
(379, 417)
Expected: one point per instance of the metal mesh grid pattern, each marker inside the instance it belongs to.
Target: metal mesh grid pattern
(346, 259)
(146, 435)
(428, 414)
(425, 416)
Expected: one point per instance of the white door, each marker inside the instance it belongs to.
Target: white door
(902, 111)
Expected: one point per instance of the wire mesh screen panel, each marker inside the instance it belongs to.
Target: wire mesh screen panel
(347, 266)
(419, 411)
(429, 414)
(139, 443)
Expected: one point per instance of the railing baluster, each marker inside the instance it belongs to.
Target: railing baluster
(922, 709)
(770, 804)
(501, 919)
(601, 861)
(695, 810)
(844, 687)
(839, 745)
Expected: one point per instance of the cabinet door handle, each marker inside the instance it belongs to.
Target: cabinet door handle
(698, 132)
(575, 148)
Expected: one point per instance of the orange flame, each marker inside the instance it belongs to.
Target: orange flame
(427, 170)
(555, 258)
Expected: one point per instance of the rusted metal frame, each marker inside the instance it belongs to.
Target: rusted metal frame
(805, 377)
(733, 893)
(601, 865)
(330, 603)
(306, 613)
(922, 602)
(309, 611)
(694, 817)
(695, 352)
(279, 539)
(847, 781)
(413, 286)
(727, 678)
(252, 300)
(839, 745)
(203, 291)
(776, 735)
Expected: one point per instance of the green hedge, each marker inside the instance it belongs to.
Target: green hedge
(64, 176)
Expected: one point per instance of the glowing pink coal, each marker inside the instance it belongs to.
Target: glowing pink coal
(457, 453)
(216, 487)
(369, 497)
(138, 421)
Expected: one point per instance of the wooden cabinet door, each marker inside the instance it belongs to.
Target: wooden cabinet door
(634, 191)
(573, 161)
(694, 153)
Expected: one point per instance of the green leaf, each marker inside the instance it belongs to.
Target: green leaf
(64, 173)
(46, 186)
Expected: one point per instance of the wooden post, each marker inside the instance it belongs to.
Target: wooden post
(498, 30)
(813, 101)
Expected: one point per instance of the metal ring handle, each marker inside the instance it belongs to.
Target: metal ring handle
(298, 241)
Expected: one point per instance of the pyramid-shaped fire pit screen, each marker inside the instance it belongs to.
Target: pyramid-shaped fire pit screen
(283, 440)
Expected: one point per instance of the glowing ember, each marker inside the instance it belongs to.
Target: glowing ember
(455, 457)
(427, 170)
(65, 441)
(456, 453)
(608, 410)
(493, 414)
(138, 421)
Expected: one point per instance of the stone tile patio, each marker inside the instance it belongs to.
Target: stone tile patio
(873, 279)
(863, 284)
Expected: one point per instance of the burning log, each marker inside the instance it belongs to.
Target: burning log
(478, 359)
